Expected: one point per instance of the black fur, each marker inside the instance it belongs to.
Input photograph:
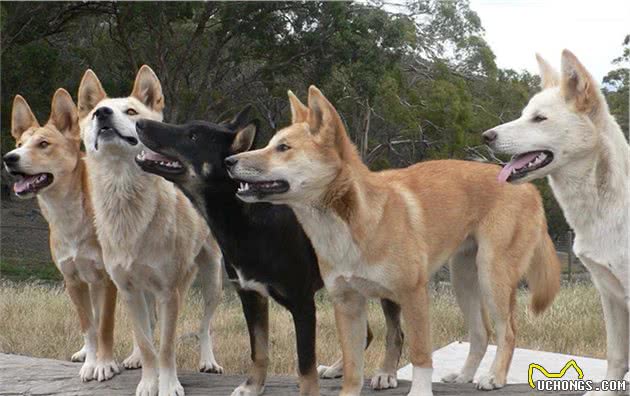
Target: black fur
(263, 242)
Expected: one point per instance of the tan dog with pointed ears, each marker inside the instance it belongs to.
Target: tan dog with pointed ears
(382, 234)
(48, 163)
(567, 134)
(153, 239)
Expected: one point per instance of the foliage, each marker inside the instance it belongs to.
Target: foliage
(412, 83)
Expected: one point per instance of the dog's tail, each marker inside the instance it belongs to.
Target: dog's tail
(543, 275)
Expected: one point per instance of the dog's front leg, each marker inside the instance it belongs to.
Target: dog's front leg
(80, 295)
(305, 323)
(256, 309)
(106, 366)
(169, 311)
(137, 306)
(351, 321)
(415, 312)
(386, 376)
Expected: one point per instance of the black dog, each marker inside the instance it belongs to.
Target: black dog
(264, 247)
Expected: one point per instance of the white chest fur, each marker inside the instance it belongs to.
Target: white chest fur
(342, 263)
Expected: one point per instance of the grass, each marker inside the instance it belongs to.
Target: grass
(20, 272)
(39, 320)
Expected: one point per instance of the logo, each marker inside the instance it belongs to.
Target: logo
(570, 363)
(555, 383)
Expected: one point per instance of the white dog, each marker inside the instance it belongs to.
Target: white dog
(566, 132)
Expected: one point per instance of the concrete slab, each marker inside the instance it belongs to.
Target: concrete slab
(451, 358)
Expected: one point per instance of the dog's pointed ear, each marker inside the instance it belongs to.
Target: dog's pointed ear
(91, 92)
(22, 117)
(323, 118)
(63, 114)
(549, 77)
(148, 90)
(578, 86)
(299, 112)
(239, 120)
(244, 139)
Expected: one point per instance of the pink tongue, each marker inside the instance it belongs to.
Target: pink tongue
(516, 163)
(153, 156)
(23, 184)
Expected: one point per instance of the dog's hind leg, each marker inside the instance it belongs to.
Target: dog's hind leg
(305, 328)
(256, 309)
(465, 281)
(386, 376)
(80, 295)
(498, 292)
(106, 366)
(211, 278)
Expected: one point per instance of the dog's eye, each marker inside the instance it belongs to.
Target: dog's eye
(43, 144)
(282, 147)
(131, 112)
(539, 118)
(193, 137)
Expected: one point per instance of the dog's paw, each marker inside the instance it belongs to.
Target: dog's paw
(246, 389)
(79, 356)
(210, 367)
(134, 361)
(105, 370)
(382, 380)
(329, 372)
(489, 382)
(171, 387)
(147, 387)
(87, 371)
(457, 378)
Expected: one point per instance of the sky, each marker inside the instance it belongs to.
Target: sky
(592, 29)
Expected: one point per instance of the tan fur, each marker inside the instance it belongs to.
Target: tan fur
(66, 206)
(153, 239)
(383, 234)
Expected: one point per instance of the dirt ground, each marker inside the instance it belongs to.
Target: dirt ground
(23, 233)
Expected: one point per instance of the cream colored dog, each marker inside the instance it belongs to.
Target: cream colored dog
(152, 238)
(382, 234)
(567, 134)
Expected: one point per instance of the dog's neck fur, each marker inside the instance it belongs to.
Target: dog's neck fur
(589, 188)
(66, 204)
(122, 194)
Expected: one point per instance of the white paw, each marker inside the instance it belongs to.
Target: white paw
(245, 389)
(382, 380)
(171, 387)
(105, 370)
(87, 371)
(329, 372)
(134, 360)
(489, 382)
(147, 387)
(457, 378)
(210, 366)
(79, 356)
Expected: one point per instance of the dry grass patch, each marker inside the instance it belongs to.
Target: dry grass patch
(39, 320)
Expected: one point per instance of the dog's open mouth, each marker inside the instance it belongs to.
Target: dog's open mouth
(522, 164)
(151, 161)
(30, 184)
(261, 188)
(107, 131)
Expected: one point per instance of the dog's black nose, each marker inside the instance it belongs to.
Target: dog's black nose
(230, 161)
(489, 136)
(103, 113)
(11, 158)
